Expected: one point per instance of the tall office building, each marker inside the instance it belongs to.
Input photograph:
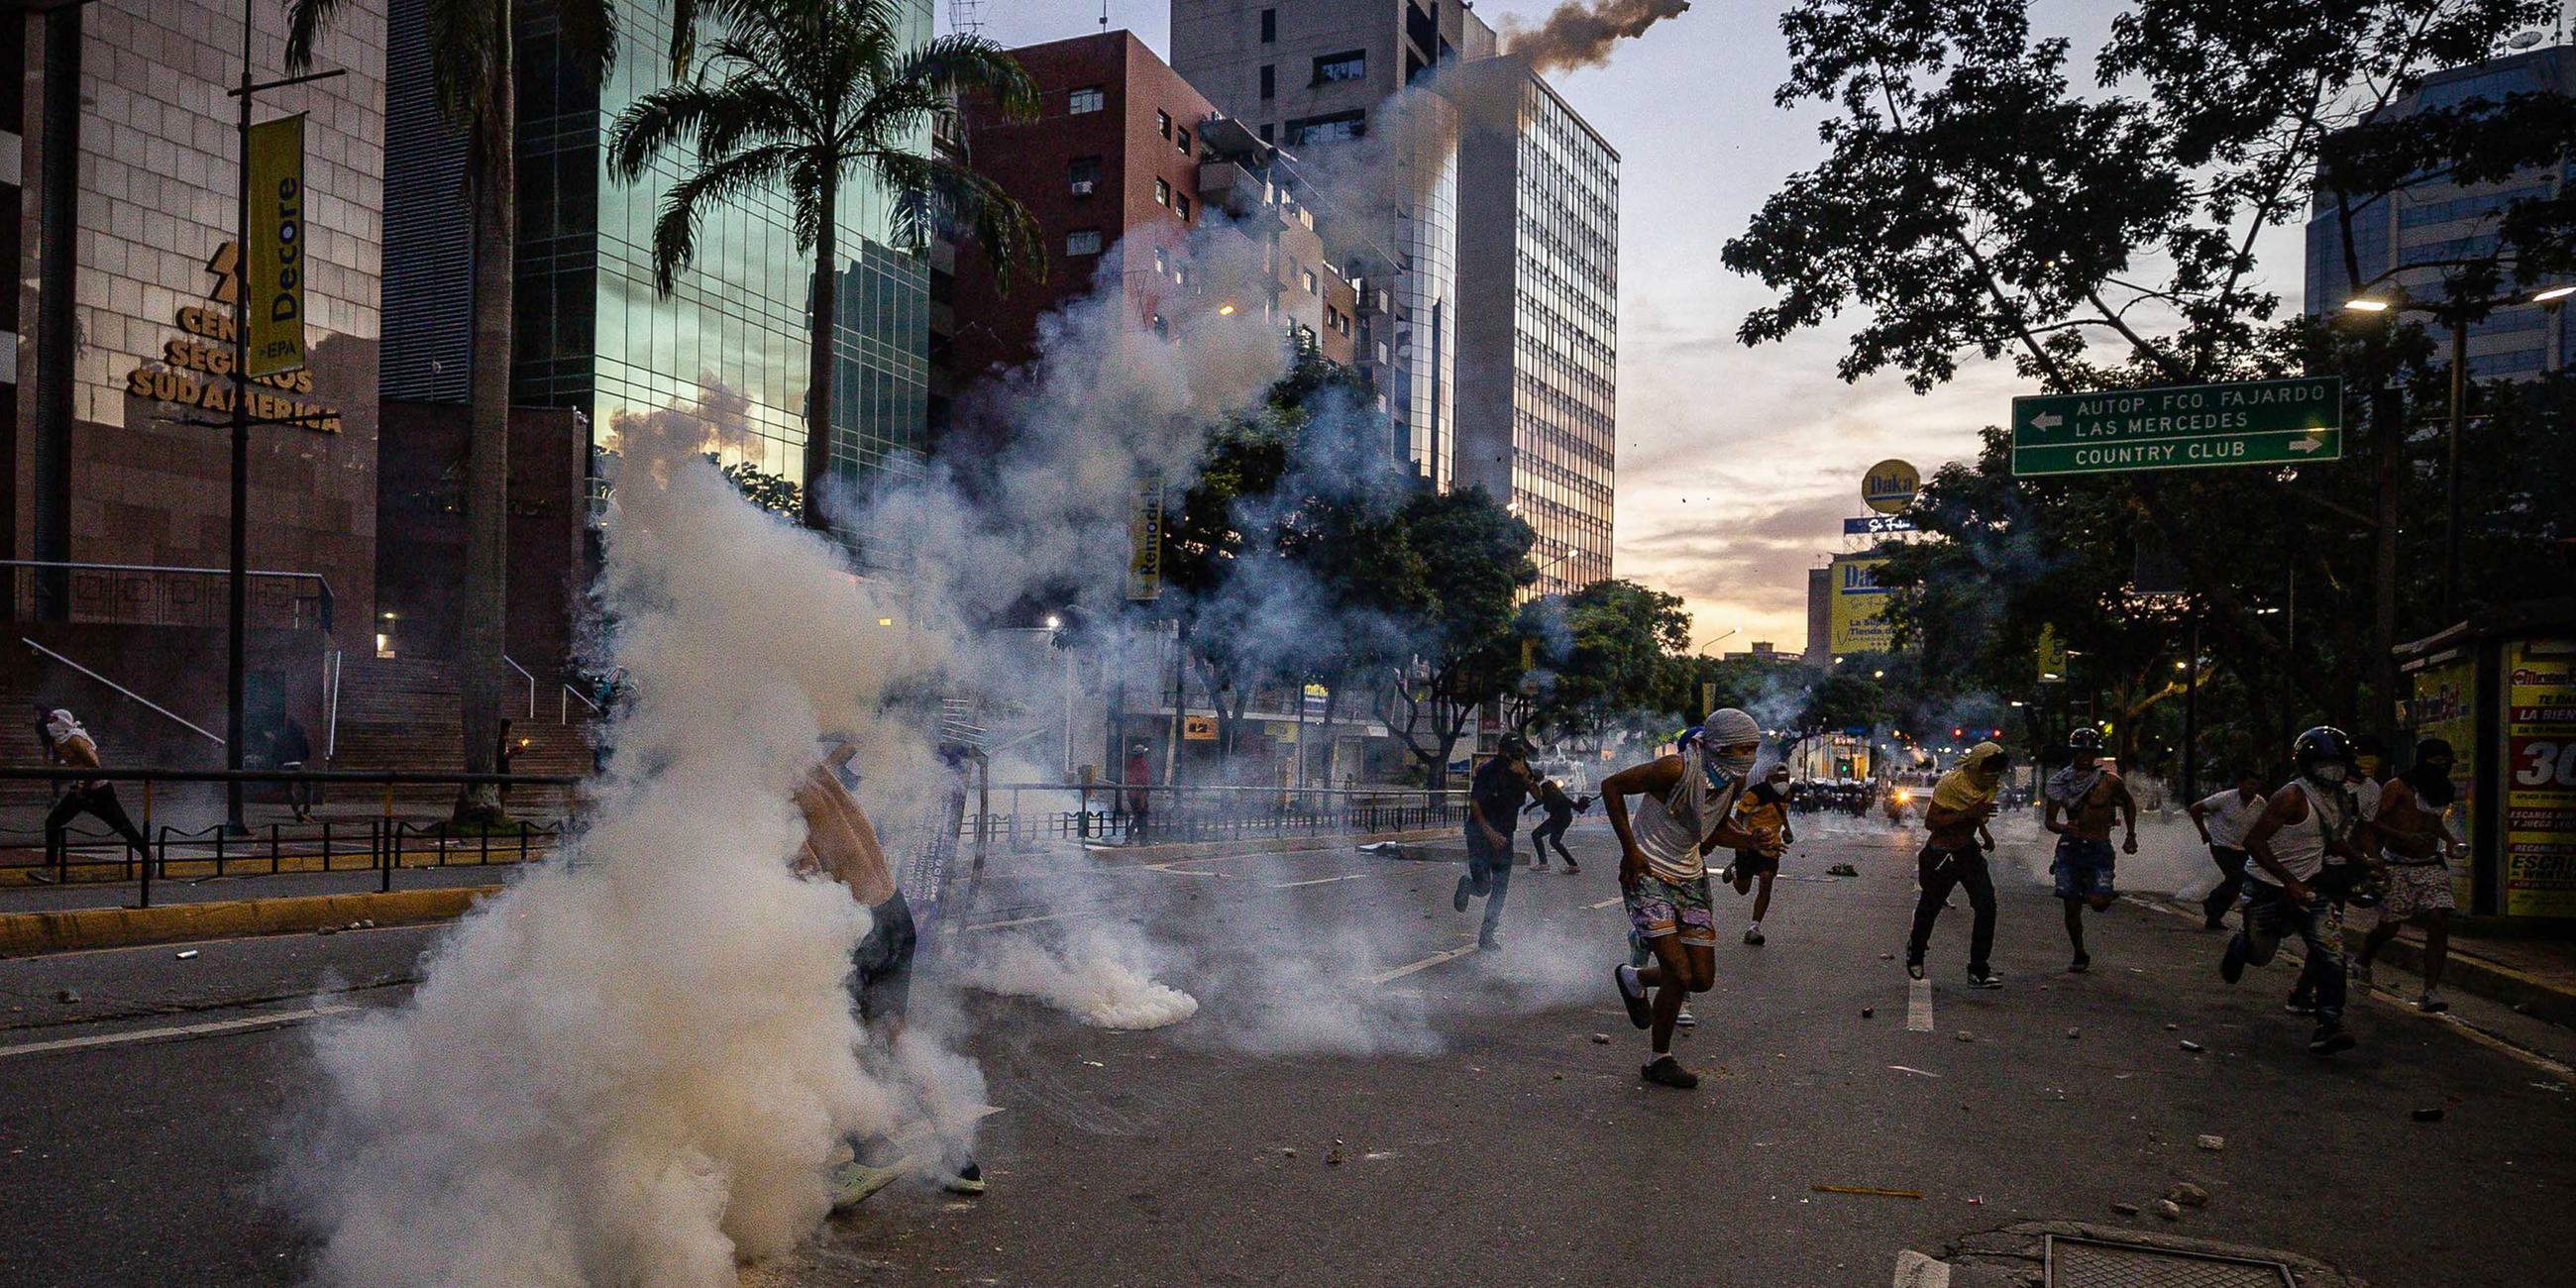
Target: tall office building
(725, 352)
(2404, 239)
(1325, 80)
(1538, 314)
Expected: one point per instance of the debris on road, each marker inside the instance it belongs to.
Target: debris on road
(1842, 870)
(2074, 1033)
(1333, 1156)
(2211, 1143)
(1600, 1039)
(2127, 1209)
(2168, 1209)
(1867, 1189)
(2189, 1045)
(67, 997)
(2173, 1028)
(2428, 1115)
(186, 955)
(1920, 1073)
(1868, 1012)
(2188, 1194)
(1288, 1153)
(1965, 1036)
(1887, 957)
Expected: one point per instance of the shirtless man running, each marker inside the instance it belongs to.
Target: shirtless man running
(2081, 800)
(1688, 811)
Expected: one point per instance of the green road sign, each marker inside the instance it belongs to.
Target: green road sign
(2255, 422)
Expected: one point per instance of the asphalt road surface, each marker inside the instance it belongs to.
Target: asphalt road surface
(1361, 1102)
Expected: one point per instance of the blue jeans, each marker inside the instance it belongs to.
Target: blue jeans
(1489, 875)
(2269, 917)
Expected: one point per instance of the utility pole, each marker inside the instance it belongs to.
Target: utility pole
(2451, 470)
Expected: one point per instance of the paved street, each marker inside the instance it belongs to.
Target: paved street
(1452, 1122)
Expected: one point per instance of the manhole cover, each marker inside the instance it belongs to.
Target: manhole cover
(2091, 1263)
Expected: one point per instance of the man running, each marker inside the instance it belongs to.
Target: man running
(2088, 792)
(1494, 799)
(1764, 808)
(841, 845)
(1561, 810)
(1689, 810)
(2301, 824)
(2223, 818)
(1954, 854)
(67, 743)
(2415, 842)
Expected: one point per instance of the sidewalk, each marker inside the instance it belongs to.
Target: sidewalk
(2533, 974)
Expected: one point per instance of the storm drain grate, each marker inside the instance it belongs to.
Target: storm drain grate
(2092, 1263)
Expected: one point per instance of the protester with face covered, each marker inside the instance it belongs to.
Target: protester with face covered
(1955, 855)
(1762, 808)
(2308, 819)
(2415, 841)
(1495, 795)
(67, 743)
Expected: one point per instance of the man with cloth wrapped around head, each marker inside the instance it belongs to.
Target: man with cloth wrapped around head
(1955, 855)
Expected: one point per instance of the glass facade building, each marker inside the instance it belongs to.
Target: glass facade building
(727, 350)
(2403, 240)
(1539, 318)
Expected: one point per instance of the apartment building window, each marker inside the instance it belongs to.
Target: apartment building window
(1349, 66)
(1082, 176)
(1082, 241)
(1182, 140)
(1163, 123)
(1269, 26)
(1327, 129)
(1181, 207)
(1162, 195)
(1087, 99)
(1269, 81)
(1306, 278)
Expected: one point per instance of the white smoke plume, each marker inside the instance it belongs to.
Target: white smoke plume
(632, 1066)
(1098, 977)
(1579, 35)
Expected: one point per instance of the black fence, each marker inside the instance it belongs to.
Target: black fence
(1110, 814)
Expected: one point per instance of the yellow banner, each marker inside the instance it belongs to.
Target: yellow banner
(1857, 604)
(1145, 542)
(2052, 655)
(273, 298)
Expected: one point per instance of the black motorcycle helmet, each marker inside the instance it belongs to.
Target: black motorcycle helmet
(1512, 746)
(2086, 738)
(2322, 745)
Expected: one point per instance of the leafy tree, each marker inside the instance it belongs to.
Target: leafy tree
(1603, 651)
(795, 96)
(1475, 558)
(773, 492)
(1974, 201)
(473, 66)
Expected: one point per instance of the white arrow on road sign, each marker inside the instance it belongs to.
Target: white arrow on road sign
(2304, 445)
(2047, 420)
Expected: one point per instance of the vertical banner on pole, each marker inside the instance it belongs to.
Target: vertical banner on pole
(1145, 541)
(273, 296)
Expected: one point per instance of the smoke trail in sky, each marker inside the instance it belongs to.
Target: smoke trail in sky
(1581, 35)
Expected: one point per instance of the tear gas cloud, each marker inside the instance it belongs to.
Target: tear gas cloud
(1578, 34)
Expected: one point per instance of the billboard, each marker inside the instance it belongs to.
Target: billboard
(1858, 604)
(2537, 858)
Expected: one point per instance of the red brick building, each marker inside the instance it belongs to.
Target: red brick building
(1120, 169)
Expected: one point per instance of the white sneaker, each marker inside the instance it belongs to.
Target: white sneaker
(1686, 1020)
(2432, 1002)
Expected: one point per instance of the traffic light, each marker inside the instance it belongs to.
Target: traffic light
(1956, 732)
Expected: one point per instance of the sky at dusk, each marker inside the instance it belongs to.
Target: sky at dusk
(1736, 466)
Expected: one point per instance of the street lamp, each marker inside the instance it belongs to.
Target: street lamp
(1702, 650)
(2456, 313)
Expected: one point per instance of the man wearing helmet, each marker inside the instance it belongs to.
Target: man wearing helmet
(1494, 798)
(2300, 826)
(2087, 793)
(1688, 811)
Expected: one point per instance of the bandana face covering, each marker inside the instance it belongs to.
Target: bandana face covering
(2332, 773)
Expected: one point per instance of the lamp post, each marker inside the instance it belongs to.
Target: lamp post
(2456, 313)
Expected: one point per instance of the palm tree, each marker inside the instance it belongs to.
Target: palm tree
(471, 64)
(798, 95)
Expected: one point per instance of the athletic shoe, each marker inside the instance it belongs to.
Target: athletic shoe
(1539, 864)
(1727, 877)
(967, 1180)
(2231, 964)
(1753, 935)
(2431, 1002)
(1686, 1020)
(2082, 963)
(1986, 978)
(1641, 1011)
(2361, 976)
(1459, 900)
(1665, 1071)
(1488, 944)
(853, 1182)
(2298, 1005)
(2330, 1038)
(1914, 968)
(1571, 867)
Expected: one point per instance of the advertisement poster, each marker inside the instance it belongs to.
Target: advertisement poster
(275, 280)
(2537, 860)
(2445, 707)
(1857, 604)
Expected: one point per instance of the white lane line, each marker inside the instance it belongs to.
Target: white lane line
(173, 1031)
(1606, 902)
(1918, 1006)
(1027, 921)
(1425, 964)
(1291, 885)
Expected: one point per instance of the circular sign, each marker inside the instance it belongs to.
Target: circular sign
(1890, 486)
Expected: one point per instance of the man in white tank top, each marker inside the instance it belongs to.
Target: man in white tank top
(1688, 811)
(2311, 817)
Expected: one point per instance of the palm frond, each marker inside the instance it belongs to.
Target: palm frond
(590, 35)
(675, 228)
(667, 117)
(934, 195)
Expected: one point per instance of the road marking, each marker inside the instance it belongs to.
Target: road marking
(1918, 1006)
(1027, 921)
(1425, 964)
(173, 1031)
(1607, 902)
(1291, 885)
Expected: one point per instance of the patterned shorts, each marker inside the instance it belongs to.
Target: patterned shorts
(2415, 888)
(1658, 907)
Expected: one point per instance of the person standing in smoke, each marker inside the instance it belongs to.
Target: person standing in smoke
(2087, 792)
(1688, 811)
(2308, 819)
(67, 743)
(841, 845)
(1561, 810)
(2223, 818)
(1138, 775)
(1954, 854)
(1763, 808)
(1494, 799)
(2416, 842)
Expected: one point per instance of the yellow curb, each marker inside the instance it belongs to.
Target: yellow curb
(80, 928)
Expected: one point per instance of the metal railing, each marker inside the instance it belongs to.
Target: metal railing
(384, 838)
(154, 595)
(156, 707)
(524, 674)
(1107, 812)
